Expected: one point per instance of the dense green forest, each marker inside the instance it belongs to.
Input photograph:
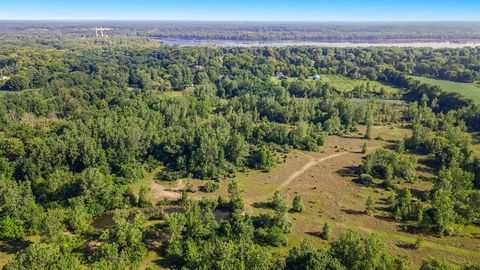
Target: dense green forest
(82, 118)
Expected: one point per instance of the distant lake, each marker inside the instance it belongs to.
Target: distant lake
(251, 43)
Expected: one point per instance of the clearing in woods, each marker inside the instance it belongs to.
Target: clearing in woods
(346, 84)
(307, 166)
(326, 182)
(469, 90)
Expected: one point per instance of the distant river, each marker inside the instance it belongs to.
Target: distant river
(249, 43)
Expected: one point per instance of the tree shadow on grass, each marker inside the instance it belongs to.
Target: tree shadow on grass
(415, 229)
(262, 205)
(349, 171)
(384, 205)
(407, 246)
(166, 263)
(383, 208)
(163, 261)
(157, 241)
(352, 136)
(353, 212)
(14, 246)
(421, 194)
(429, 170)
(315, 234)
(430, 165)
(388, 218)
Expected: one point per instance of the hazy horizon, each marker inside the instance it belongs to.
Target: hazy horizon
(238, 21)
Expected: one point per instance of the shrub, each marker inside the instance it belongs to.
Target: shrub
(210, 203)
(263, 159)
(283, 222)
(189, 187)
(364, 148)
(10, 230)
(366, 179)
(279, 202)
(210, 186)
(272, 236)
(297, 204)
(419, 241)
(435, 264)
(326, 231)
(43, 256)
(389, 165)
(369, 208)
(144, 197)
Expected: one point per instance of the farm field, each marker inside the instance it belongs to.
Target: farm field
(469, 90)
(326, 182)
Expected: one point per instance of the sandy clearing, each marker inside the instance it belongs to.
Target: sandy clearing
(311, 163)
(160, 192)
(307, 166)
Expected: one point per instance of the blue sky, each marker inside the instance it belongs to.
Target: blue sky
(298, 10)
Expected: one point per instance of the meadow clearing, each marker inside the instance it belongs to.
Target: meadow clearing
(326, 180)
(469, 90)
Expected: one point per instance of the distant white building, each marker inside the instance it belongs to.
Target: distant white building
(4, 78)
(316, 77)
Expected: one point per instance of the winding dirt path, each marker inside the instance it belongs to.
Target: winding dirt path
(160, 192)
(312, 163)
(307, 166)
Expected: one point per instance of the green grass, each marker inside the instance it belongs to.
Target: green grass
(346, 84)
(469, 90)
(393, 102)
(476, 148)
(4, 92)
(146, 181)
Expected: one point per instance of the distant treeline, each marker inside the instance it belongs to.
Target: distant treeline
(271, 31)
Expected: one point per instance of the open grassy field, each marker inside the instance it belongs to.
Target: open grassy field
(346, 84)
(326, 182)
(469, 90)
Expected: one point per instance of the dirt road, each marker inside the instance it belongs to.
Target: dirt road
(312, 163)
(307, 166)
